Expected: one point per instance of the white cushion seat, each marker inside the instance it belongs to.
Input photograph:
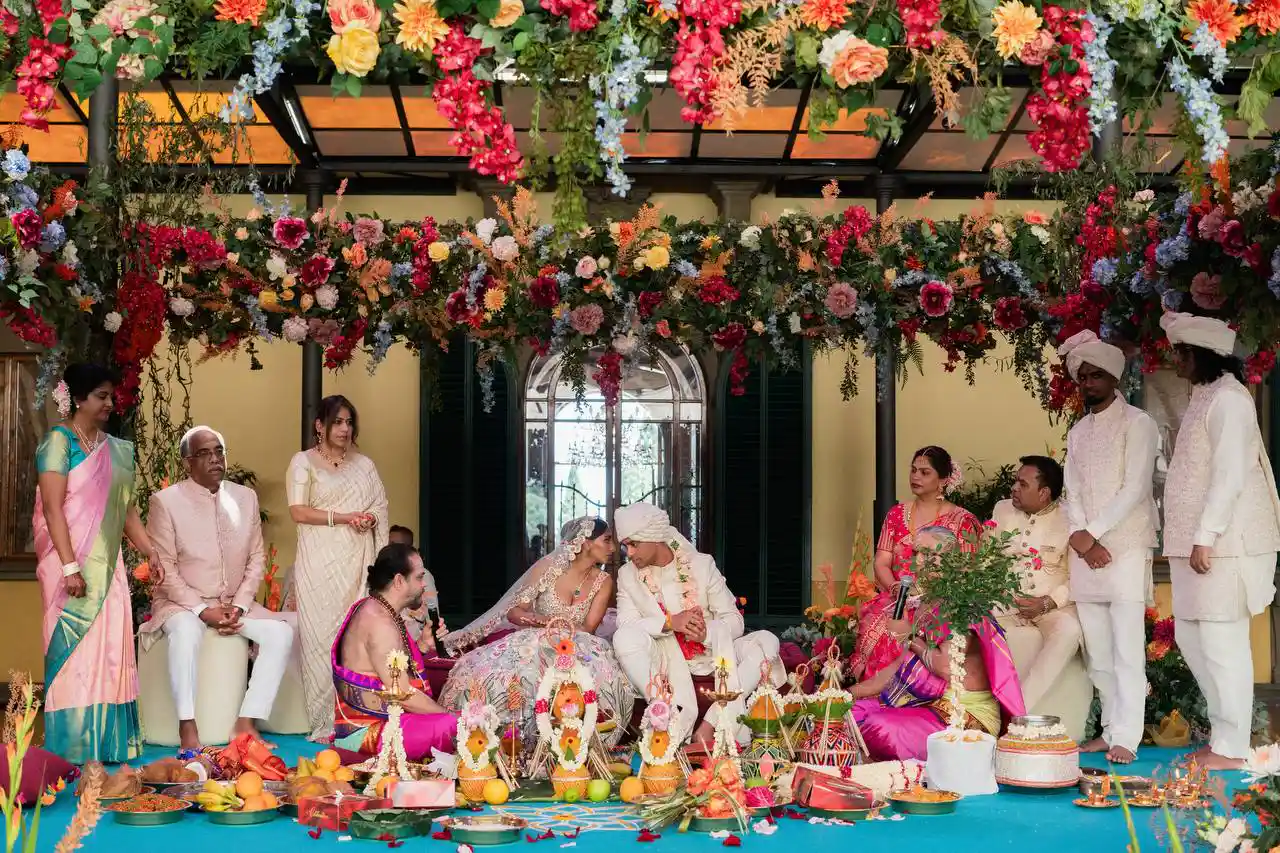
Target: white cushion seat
(222, 678)
(1072, 693)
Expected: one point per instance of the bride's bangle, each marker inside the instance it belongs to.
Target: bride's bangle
(331, 518)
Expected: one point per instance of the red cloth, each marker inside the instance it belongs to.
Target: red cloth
(40, 769)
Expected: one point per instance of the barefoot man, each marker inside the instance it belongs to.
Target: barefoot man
(675, 610)
(1111, 513)
(1222, 530)
(207, 535)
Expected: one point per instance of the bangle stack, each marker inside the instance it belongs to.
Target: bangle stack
(331, 518)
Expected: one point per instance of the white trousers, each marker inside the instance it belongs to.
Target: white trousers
(185, 631)
(640, 656)
(1115, 651)
(1220, 657)
(1060, 640)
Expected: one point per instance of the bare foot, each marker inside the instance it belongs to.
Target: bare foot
(1199, 753)
(1120, 755)
(189, 735)
(244, 726)
(1213, 761)
(1095, 745)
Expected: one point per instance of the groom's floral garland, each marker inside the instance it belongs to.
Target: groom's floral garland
(688, 595)
(567, 670)
(477, 715)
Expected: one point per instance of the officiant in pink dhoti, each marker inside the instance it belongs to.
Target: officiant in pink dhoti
(675, 611)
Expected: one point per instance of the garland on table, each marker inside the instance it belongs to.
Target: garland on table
(586, 63)
(566, 670)
(477, 716)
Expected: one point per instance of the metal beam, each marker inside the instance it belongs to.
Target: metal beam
(104, 121)
(73, 103)
(886, 187)
(403, 118)
(167, 84)
(802, 105)
(1005, 134)
(272, 106)
(917, 112)
(312, 352)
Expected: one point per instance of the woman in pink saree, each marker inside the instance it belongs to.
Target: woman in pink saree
(932, 475)
(84, 503)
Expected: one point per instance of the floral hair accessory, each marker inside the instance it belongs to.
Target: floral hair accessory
(62, 397)
(953, 482)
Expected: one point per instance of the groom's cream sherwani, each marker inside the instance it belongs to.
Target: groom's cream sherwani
(644, 646)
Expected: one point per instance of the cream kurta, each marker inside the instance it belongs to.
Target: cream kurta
(330, 565)
(1042, 535)
(643, 645)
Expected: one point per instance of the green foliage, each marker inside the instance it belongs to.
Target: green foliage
(960, 586)
(980, 494)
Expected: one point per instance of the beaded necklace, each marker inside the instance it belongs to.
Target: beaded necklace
(404, 632)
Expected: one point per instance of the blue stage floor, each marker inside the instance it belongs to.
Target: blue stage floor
(1044, 823)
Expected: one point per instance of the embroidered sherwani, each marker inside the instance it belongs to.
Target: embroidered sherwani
(1042, 536)
(644, 646)
(1111, 458)
(1220, 493)
(210, 546)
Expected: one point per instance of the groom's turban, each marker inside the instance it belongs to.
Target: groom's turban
(642, 522)
(1085, 348)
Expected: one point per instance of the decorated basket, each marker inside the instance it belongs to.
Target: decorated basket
(563, 779)
(472, 781)
(661, 778)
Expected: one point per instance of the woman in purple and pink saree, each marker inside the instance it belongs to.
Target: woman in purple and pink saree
(901, 706)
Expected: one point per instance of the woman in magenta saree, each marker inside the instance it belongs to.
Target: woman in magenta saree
(83, 506)
(932, 473)
(898, 712)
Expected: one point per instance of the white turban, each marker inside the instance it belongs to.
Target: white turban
(1204, 332)
(642, 522)
(1084, 347)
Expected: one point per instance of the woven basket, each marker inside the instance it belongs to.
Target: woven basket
(563, 780)
(661, 778)
(472, 781)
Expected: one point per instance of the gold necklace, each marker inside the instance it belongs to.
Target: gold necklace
(85, 444)
(327, 458)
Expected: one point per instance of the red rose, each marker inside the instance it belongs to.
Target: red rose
(545, 291)
(289, 231)
(28, 224)
(716, 290)
(648, 302)
(730, 337)
(1232, 238)
(316, 270)
(1008, 314)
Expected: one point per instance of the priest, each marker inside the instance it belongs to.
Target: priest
(1222, 530)
(676, 614)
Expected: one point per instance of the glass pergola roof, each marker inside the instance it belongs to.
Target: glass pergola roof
(394, 130)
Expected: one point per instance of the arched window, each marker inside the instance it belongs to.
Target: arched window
(583, 458)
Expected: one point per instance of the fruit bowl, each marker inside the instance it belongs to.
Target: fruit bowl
(242, 818)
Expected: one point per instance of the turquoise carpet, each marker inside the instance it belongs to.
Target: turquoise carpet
(1044, 823)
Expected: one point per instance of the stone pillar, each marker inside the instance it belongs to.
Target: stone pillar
(490, 190)
(312, 352)
(733, 198)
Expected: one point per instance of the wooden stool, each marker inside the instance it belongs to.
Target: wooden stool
(222, 678)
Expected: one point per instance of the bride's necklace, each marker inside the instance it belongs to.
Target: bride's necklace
(327, 458)
(85, 444)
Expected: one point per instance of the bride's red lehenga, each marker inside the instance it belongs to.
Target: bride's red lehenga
(875, 649)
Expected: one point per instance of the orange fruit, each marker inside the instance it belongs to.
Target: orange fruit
(326, 775)
(254, 803)
(269, 800)
(344, 774)
(383, 788)
(328, 760)
(248, 784)
(631, 789)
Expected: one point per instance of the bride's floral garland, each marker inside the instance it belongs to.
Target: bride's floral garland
(477, 715)
(566, 671)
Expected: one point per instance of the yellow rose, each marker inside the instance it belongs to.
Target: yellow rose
(286, 295)
(508, 13)
(438, 251)
(267, 299)
(657, 257)
(354, 51)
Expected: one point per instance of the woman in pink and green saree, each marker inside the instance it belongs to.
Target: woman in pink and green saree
(84, 504)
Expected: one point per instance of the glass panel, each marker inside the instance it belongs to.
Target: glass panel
(742, 145)
(535, 410)
(969, 100)
(27, 425)
(778, 113)
(433, 143)
(647, 462)
(581, 473)
(64, 143)
(658, 144)
(689, 484)
(886, 102)
(265, 145)
(420, 110)
(361, 143)
(12, 104)
(949, 152)
(664, 112)
(837, 146)
(374, 108)
(535, 493)
(691, 412)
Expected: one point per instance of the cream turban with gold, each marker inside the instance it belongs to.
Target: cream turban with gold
(1085, 347)
(1204, 332)
(642, 522)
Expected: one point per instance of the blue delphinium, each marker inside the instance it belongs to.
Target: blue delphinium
(1172, 250)
(1102, 103)
(53, 237)
(382, 340)
(286, 29)
(1206, 45)
(1202, 108)
(1274, 282)
(615, 93)
(15, 165)
(1105, 269)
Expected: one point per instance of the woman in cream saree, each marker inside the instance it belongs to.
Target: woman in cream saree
(340, 506)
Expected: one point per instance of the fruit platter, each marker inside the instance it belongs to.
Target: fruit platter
(241, 803)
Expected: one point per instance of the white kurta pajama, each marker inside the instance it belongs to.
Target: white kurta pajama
(1220, 493)
(1043, 535)
(1111, 459)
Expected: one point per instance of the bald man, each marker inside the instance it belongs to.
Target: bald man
(207, 534)
(1111, 513)
(676, 615)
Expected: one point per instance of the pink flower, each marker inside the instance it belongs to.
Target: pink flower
(821, 645)
(289, 231)
(369, 231)
(663, 328)
(586, 319)
(990, 525)
(935, 298)
(841, 300)
(659, 714)
(541, 706)
(1008, 314)
(1036, 51)
(586, 267)
(28, 224)
(316, 270)
(1232, 238)
(1206, 291)
(1211, 224)
(346, 13)
(1035, 217)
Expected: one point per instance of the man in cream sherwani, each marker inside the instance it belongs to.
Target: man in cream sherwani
(1111, 512)
(207, 535)
(675, 613)
(1221, 530)
(1034, 517)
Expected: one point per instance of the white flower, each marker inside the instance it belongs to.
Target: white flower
(294, 330)
(505, 248)
(277, 267)
(750, 237)
(603, 262)
(763, 827)
(327, 296)
(1144, 196)
(28, 262)
(1262, 762)
(112, 322)
(181, 306)
(832, 47)
(485, 229)
(625, 344)
(70, 254)
(1230, 837)
(397, 659)
(1040, 233)
(795, 323)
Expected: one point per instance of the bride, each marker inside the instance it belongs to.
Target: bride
(568, 583)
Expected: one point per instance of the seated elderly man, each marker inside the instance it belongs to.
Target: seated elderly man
(1040, 533)
(675, 613)
(207, 536)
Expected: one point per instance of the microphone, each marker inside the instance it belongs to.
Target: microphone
(900, 603)
(433, 614)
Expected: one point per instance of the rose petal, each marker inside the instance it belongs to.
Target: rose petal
(732, 841)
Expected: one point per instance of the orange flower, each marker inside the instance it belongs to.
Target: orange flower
(1221, 17)
(1265, 15)
(824, 14)
(860, 62)
(860, 586)
(564, 647)
(1035, 217)
(377, 272)
(355, 256)
(142, 572)
(698, 782)
(240, 11)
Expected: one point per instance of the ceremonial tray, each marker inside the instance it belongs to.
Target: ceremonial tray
(485, 829)
(851, 815)
(146, 789)
(944, 804)
(147, 818)
(378, 824)
(243, 818)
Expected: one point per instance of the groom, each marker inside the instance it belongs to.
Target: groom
(676, 613)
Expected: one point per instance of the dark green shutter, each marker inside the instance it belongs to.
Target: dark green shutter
(763, 521)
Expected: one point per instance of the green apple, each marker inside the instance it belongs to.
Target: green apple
(597, 790)
(570, 795)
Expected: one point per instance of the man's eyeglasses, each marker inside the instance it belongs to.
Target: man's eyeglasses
(207, 453)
